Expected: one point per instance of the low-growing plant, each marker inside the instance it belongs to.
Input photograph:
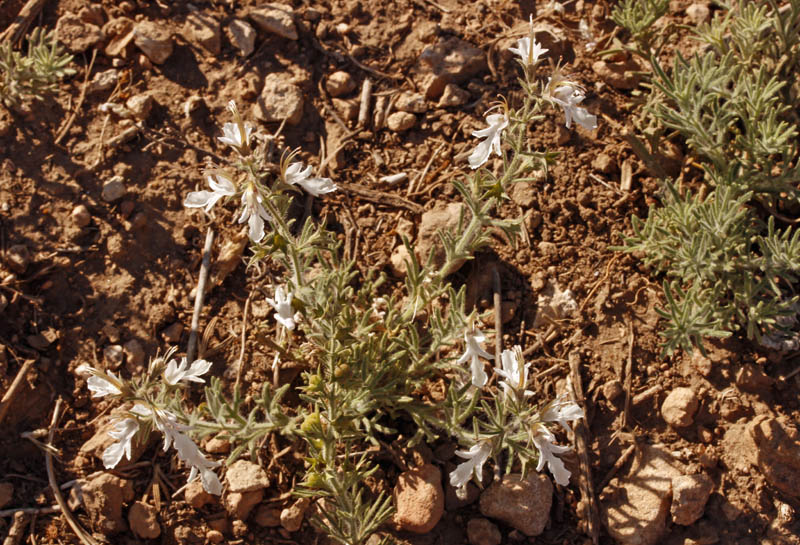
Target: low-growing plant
(370, 357)
(34, 75)
(730, 256)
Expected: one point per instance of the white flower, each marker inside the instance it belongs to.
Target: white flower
(514, 372)
(543, 439)
(491, 135)
(472, 338)
(568, 96)
(220, 186)
(175, 373)
(234, 137)
(124, 431)
(561, 410)
(529, 50)
(476, 456)
(101, 387)
(295, 174)
(254, 213)
(282, 304)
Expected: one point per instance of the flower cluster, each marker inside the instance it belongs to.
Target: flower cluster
(147, 413)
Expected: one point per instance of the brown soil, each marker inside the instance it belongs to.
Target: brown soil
(130, 272)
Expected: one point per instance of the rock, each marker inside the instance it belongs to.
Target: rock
(120, 32)
(523, 194)
(776, 453)
(18, 258)
(113, 356)
(245, 476)
(280, 99)
(215, 445)
(413, 103)
(618, 75)
(143, 519)
(6, 494)
(134, 356)
(698, 13)
(214, 536)
(92, 15)
(752, 378)
(113, 189)
(239, 504)
(154, 41)
(77, 35)
(80, 216)
(104, 81)
(612, 390)
(419, 499)
(242, 35)
(400, 121)
(635, 508)
(172, 334)
(140, 106)
(348, 109)
(453, 95)
(604, 163)
(398, 261)
(521, 503)
(702, 364)
(689, 496)
(553, 303)
(340, 83)
(481, 531)
(275, 18)
(267, 517)
(450, 61)
(196, 496)
(441, 217)
(205, 31)
(103, 496)
(680, 407)
(291, 517)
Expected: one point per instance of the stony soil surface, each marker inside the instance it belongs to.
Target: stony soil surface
(99, 260)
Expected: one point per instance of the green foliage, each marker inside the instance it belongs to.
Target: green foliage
(729, 264)
(638, 18)
(35, 74)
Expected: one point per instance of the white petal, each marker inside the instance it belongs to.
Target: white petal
(199, 367)
(198, 199)
(479, 376)
(480, 154)
(461, 475)
(113, 455)
(221, 184)
(256, 224)
(318, 186)
(101, 387)
(211, 483)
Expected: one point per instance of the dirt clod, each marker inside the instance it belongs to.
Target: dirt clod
(143, 519)
(242, 35)
(103, 497)
(400, 121)
(419, 499)
(18, 257)
(521, 503)
(340, 83)
(689, 496)
(276, 19)
(154, 41)
(291, 517)
(481, 531)
(77, 35)
(245, 476)
(280, 100)
(680, 407)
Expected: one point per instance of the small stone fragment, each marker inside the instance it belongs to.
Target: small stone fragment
(204, 30)
(172, 334)
(419, 499)
(6, 494)
(689, 496)
(113, 355)
(154, 41)
(348, 109)
(413, 103)
(143, 519)
(521, 503)
(280, 99)
(113, 189)
(134, 356)
(292, 517)
(267, 517)
(242, 35)
(120, 32)
(399, 259)
(612, 390)
(340, 83)
(680, 407)
(481, 531)
(752, 378)
(77, 35)
(239, 504)
(18, 258)
(450, 61)
(618, 75)
(214, 536)
(453, 95)
(275, 18)
(777, 453)
(196, 496)
(400, 121)
(604, 163)
(80, 216)
(698, 13)
(103, 496)
(140, 106)
(215, 445)
(245, 476)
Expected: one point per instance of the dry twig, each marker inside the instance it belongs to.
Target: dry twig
(63, 132)
(200, 294)
(27, 14)
(19, 379)
(497, 300)
(240, 361)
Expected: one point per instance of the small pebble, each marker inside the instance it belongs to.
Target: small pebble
(172, 334)
(113, 189)
(18, 257)
(113, 355)
(401, 121)
(81, 216)
(340, 83)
